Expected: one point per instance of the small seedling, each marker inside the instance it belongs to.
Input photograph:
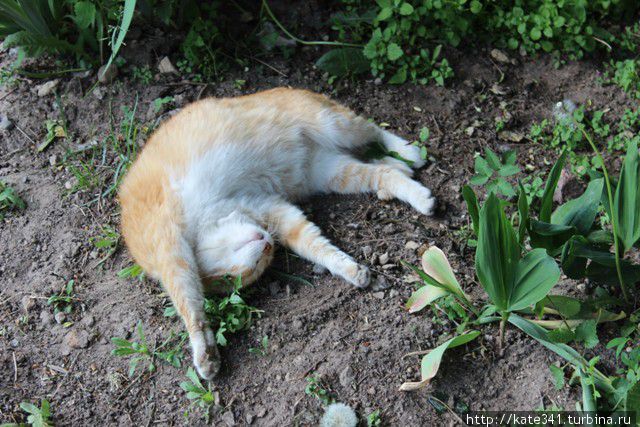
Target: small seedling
(262, 350)
(140, 349)
(9, 200)
(107, 241)
(485, 169)
(315, 389)
(38, 417)
(158, 103)
(239, 83)
(133, 271)
(143, 74)
(55, 129)
(373, 419)
(199, 396)
(63, 301)
(143, 351)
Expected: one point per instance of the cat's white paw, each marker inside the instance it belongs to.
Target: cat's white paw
(425, 205)
(404, 149)
(206, 357)
(362, 278)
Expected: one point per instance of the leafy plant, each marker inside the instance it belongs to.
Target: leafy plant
(78, 27)
(133, 271)
(9, 200)
(314, 388)
(141, 350)
(63, 301)
(38, 417)
(199, 396)
(373, 419)
(626, 75)
(231, 313)
(142, 74)
(485, 169)
(106, 242)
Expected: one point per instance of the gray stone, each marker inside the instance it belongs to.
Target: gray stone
(5, 123)
(166, 67)
(46, 88)
(107, 75)
(76, 338)
(60, 317)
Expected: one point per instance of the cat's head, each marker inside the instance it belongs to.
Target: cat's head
(235, 246)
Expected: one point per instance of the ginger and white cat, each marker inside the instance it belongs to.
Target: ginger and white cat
(210, 182)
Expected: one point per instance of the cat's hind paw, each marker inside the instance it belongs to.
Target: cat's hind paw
(362, 278)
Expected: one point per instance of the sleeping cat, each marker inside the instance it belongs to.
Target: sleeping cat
(215, 185)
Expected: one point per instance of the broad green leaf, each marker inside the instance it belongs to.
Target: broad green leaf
(561, 335)
(472, 206)
(482, 167)
(549, 236)
(558, 376)
(508, 170)
(497, 254)
(431, 362)
(478, 179)
(581, 212)
(540, 335)
(385, 13)
(341, 62)
(85, 14)
(535, 275)
(424, 296)
(550, 188)
(406, 9)
(586, 332)
(565, 306)
(492, 159)
(475, 7)
(436, 265)
(627, 198)
(393, 51)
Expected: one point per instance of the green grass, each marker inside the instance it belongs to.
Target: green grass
(9, 200)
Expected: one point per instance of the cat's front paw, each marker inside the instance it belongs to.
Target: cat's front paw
(424, 202)
(206, 357)
(405, 149)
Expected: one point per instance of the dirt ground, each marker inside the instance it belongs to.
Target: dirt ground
(355, 341)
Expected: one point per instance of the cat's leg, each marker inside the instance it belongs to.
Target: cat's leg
(302, 236)
(180, 278)
(343, 128)
(343, 174)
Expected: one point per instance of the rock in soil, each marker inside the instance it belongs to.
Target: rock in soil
(106, 75)
(46, 88)
(5, 123)
(76, 338)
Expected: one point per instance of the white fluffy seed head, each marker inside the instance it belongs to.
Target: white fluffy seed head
(339, 415)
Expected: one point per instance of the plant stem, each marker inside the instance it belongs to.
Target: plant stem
(291, 36)
(503, 323)
(614, 224)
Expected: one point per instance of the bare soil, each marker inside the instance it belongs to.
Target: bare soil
(355, 341)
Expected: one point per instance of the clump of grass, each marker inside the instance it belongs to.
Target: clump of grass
(170, 351)
(9, 200)
(63, 301)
